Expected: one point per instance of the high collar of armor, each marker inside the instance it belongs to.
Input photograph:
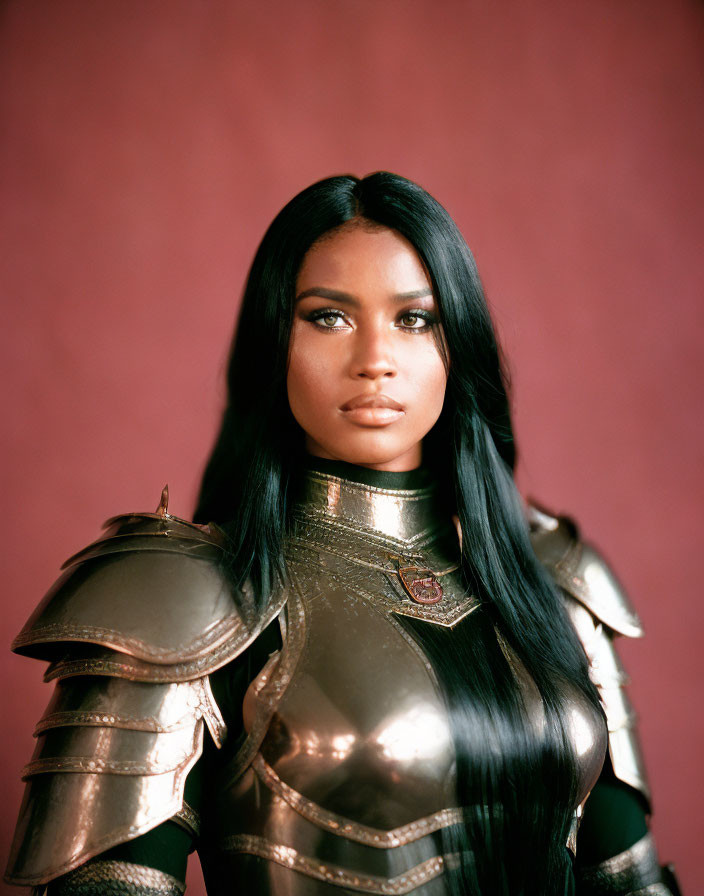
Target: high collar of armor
(403, 506)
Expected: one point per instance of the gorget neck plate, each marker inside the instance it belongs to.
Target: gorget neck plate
(403, 515)
(404, 534)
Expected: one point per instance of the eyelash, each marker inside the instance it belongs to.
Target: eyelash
(429, 318)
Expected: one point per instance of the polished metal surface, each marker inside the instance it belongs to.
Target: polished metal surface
(358, 531)
(361, 699)
(600, 611)
(149, 602)
(111, 763)
(608, 675)
(121, 704)
(402, 515)
(348, 772)
(132, 629)
(188, 819)
(153, 590)
(330, 873)
(346, 775)
(94, 660)
(582, 572)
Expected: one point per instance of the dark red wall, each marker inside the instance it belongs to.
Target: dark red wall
(147, 145)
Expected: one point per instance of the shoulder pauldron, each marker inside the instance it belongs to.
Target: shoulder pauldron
(600, 611)
(131, 630)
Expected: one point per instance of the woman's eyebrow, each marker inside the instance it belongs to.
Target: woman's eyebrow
(335, 295)
(340, 296)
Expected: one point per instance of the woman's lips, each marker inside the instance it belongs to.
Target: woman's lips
(372, 410)
(373, 416)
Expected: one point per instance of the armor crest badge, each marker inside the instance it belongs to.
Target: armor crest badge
(420, 584)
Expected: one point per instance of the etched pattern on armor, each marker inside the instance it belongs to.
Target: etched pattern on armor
(398, 514)
(380, 583)
(93, 786)
(333, 874)
(199, 620)
(633, 871)
(271, 685)
(121, 704)
(95, 660)
(117, 879)
(189, 819)
(335, 743)
(352, 830)
(347, 529)
(126, 722)
(65, 631)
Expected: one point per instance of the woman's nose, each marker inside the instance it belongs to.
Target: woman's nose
(373, 356)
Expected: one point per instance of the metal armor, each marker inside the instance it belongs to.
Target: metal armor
(347, 767)
(600, 611)
(131, 631)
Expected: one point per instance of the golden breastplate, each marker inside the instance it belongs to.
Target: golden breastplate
(347, 775)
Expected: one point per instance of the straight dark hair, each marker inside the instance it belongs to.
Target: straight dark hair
(518, 788)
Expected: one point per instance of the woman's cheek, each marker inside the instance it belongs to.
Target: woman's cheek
(309, 381)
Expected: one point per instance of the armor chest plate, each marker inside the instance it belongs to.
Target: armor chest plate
(361, 729)
(347, 775)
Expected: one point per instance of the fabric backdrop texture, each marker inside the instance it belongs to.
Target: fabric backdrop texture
(145, 147)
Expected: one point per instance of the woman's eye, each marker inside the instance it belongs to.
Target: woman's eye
(328, 320)
(414, 320)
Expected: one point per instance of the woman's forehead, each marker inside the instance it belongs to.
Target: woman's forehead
(358, 258)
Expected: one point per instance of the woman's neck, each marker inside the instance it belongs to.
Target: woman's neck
(409, 479)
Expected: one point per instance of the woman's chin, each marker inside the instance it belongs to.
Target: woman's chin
(374, 450)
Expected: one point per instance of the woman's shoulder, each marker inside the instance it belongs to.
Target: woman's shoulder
(151, 595)
(581, 571)
(599, 610)
(133, 630)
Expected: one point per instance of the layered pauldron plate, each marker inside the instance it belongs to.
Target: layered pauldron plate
(600, 612)
(131, 631)
(337, 783)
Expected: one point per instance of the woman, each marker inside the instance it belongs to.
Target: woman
(388, 656)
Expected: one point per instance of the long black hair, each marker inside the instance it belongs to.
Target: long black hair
(519, 788)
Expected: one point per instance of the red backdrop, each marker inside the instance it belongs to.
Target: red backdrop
(146, 147)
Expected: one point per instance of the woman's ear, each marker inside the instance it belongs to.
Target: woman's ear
(456, 521)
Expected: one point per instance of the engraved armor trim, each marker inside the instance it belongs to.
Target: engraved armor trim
(92, 786)
(348, 754)
(268, 688)
(189, 819)
(333, 874)
(94, 660)
(132, 630)
(582, 572)
(599, 610)
(351, 830)
(634, 872)
(366, 528)
(118, 879)
(96, 702)
(151, 590)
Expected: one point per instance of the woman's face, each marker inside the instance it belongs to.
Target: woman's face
(366, 380)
